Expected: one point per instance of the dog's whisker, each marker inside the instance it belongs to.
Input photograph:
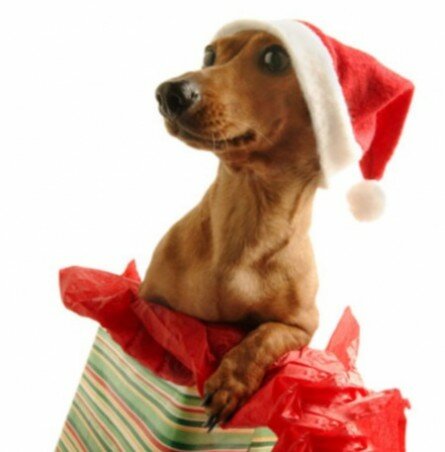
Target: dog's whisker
(214, 143)
(256, 131)
(226, 141)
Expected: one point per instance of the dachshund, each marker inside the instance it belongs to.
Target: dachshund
(243, 254)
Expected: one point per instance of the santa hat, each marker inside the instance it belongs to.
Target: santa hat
(357, 105)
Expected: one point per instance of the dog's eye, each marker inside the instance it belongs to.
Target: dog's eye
(209, 56)
(275, 59)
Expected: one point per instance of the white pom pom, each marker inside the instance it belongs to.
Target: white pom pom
(366, 200)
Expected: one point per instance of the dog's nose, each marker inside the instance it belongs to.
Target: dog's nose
(176, 97)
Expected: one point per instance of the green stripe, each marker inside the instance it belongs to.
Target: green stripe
(119, 414)
(259, 438)
(145, 392)
(85, 436)
(184, 440)
(170, 388)
(72, 445)
(120, 437)
(95, 427)
(61, 446)
(135, 386)
(134, 402)
(240, 440)
(263, 444)
(147, 414)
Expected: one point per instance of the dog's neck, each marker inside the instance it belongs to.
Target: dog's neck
(255, 207)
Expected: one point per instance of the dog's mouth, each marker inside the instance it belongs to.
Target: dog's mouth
(215, 142)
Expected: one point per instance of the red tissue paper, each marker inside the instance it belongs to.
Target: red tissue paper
(314, 400)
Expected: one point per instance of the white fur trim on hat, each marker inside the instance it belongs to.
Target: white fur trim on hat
(366, 200)
(336, 144)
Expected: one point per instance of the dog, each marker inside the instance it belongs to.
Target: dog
(243, 254)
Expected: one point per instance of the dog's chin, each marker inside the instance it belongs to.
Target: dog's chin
(240, 143)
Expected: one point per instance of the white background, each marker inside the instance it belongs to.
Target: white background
(88, 176)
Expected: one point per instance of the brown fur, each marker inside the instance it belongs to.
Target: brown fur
(243, 254)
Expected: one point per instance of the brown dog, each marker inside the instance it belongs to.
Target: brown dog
(243, 254)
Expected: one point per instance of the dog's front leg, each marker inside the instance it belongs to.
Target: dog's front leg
(242, 369)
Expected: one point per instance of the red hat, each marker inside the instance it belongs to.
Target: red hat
(357, 105)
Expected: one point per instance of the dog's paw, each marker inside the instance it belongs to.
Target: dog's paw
(228, 389)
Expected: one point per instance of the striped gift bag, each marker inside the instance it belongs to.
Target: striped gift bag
(122, 406)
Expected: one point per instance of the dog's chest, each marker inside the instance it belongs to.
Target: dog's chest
(258, 273)
(245, 283)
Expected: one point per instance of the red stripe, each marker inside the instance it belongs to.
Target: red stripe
(74, 434)
(105, 429)
(187, 408)
(127, 410)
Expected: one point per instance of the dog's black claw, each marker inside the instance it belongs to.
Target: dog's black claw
(207, 399)
(211, 422)
(206, 423)
(230, 417)
(209, 430)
